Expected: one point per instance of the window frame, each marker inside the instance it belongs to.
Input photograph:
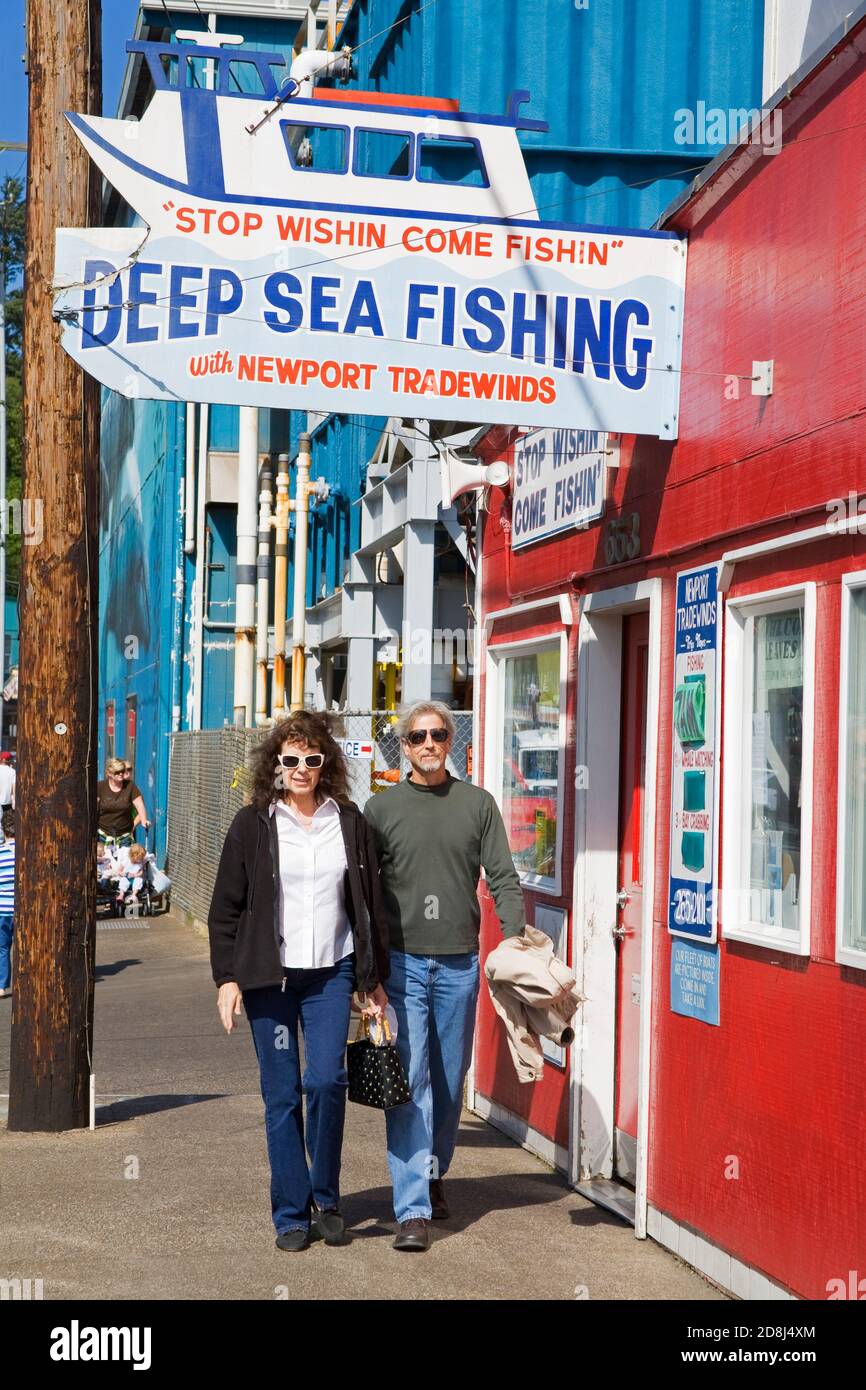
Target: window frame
(311, 168)
(450, 183)
(737, 772)
(845, 955)
(493, 762)
(380, 130)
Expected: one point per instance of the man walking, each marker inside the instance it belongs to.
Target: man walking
(433, 835)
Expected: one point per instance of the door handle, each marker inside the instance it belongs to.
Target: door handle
(623, 897)
(620, 933)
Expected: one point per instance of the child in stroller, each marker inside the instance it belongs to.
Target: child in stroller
(129, 884)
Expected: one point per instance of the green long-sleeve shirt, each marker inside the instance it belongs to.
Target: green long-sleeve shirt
(432, 843)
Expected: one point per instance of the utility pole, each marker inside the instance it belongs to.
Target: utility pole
(52, 1016)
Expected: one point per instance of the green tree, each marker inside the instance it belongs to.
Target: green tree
(12, 247)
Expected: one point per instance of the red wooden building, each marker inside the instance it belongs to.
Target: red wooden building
(640, 810)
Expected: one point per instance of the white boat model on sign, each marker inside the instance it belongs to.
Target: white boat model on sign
(207, 138)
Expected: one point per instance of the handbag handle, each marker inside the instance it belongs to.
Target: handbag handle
(363, 1030)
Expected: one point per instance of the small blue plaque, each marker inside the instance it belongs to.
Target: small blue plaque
(695, 980)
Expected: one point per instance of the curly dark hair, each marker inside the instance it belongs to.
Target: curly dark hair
(312, 731)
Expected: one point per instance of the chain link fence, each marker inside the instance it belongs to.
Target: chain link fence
(209, 783)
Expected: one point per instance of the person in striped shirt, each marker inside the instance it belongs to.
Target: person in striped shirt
(7, 902)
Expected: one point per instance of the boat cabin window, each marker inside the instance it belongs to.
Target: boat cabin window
(383, 154)
(451, 159)
(245, 77)
(195, 70)
(324, 149)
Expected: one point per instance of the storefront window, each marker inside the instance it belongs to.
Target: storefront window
(767, 751)
(852, 885)
(776, 769)
(531, 757)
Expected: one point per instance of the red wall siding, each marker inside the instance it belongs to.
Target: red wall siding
(777, 270)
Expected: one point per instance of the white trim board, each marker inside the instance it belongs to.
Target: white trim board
(845, 955)
(495, 724)
(596, 840)
(736, 769)
(516, 1128)
(736, 1278)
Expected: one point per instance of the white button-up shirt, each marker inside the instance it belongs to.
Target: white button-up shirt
(314, 927)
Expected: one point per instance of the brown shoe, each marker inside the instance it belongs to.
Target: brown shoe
(413, 1235)
(441, 1210)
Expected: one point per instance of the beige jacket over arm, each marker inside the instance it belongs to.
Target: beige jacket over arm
(535, 995)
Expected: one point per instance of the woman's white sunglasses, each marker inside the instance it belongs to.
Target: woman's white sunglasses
(308, 760)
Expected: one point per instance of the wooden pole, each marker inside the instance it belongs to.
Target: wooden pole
(52, 983)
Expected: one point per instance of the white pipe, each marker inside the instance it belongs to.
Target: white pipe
(313, 63)
(301, 508)
(245, 565)
(263, 575)
(189, 483)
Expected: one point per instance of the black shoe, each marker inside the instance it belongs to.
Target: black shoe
(329, 1226)
(293, 1240)
(441, 1210)
(414, 1235)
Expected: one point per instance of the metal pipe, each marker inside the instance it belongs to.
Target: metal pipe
(280, 522)
(179, 597)
(301, 508)
(197, 653)
(245, 565)
(263, 578)
(189, 482)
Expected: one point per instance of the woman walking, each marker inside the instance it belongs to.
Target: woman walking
(296, 924)
(120, 805)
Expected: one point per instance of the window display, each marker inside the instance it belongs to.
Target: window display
(531, 758)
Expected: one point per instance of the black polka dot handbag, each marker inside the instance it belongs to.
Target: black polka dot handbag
(376, 1075)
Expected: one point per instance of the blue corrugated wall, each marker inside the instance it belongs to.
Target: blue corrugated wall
(141, 455)
(607, 78)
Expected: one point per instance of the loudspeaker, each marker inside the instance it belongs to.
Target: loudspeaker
(459, 477)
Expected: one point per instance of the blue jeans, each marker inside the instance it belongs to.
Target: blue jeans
(319, 1000)
(434, 998)
(6, 921)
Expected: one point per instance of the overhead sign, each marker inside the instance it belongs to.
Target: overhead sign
(559, 482)
(694, 777)
(335, 255)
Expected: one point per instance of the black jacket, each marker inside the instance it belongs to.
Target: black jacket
(244, 918)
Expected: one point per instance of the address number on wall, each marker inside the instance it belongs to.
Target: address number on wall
(622, 539)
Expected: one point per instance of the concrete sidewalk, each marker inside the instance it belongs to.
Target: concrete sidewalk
(168, 1199)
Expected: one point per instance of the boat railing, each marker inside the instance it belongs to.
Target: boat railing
(239, 72)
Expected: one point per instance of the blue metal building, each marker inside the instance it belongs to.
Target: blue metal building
(609, 79)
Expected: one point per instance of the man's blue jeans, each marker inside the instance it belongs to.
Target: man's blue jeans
(319, 1000)
(6, 931)
(434, 998)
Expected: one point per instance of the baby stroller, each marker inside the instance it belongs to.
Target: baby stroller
(116, 895)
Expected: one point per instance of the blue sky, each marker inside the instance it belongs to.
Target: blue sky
(118, 20)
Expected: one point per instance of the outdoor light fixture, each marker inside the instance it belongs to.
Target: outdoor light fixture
(459, 477)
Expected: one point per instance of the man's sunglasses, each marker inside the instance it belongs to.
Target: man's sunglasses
(418, 736)
(309, 760)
